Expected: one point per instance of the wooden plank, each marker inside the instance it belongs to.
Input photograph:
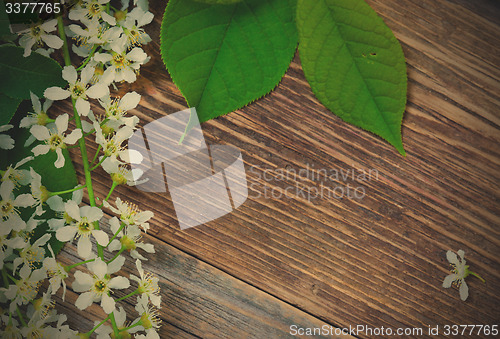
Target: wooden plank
(198, 300)
(380, 260)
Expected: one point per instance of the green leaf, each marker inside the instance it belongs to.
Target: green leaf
(21, 75)
(55, 179)
(8, 107)
(225, 57)
(219, 2)
(4, 21)
(354, 64)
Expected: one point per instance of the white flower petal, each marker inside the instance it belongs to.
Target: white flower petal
(40, 132)
(108, 18)
(83, 282)
(6, 142)
(130, 101)
(40, 149)
(452, 257)
(101, 237)
(69, 74)
(71, 207)
(37, 107)
(82, 107)
(84, 300)
(131, 156)
(62, 123)
(60, 158)
(116, 264)
(84, 247)
(24, 200)
(73, 137)
(87, 74)
(56, 93)
(52, 41)
(66, 233)
(102, 57)
(98, 91)
(119, 283)
(464, 291)
(99, 268)
(137, 54)
(107, 303)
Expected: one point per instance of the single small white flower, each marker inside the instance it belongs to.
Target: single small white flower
(39, 115)
(37, 34)
(10, 328)
(16, 175)
(460, 271)
(106, 332)
(97, 287)
(112, 144)
(92, 10)
(130, 236)
(130, 214)
(132, 27)
(43, 305)
(116, 110)
(9, 207)
(55, 140)
(6, 142)
(150, 317)
(38, 192)
(56, 203)
(148, 284)
(25, 289)
(124, 65)
(82, 227)
(121, 174)
(79, 90)
(95, 34)
(32, 254)
(56, 272)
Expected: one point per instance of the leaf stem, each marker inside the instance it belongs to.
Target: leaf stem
(99, 163)
(70, 267)
(21, 318)
(88, 334)
(477, 276)
(68, 191)
(116, 234)
(128, 295)
(116, 331)
(81, 141)
(116, 255)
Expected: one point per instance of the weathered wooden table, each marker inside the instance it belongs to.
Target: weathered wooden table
(376, 261)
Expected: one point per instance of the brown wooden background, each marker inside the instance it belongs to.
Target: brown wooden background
(377, 261)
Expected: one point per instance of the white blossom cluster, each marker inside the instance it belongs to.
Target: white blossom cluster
(108, 41)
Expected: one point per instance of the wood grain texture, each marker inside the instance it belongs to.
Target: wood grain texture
(376, 261)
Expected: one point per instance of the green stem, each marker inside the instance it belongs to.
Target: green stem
(99, 163)
(21, 318)
(113, 186)
(128, 295)
(116, 255)
(70, 267)
(92, 52)
(78, 123)
(68, 191)
(139, 323)
(116, 234)
(477, 276)
(116, 331)
(96, 154)
(88, 334)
